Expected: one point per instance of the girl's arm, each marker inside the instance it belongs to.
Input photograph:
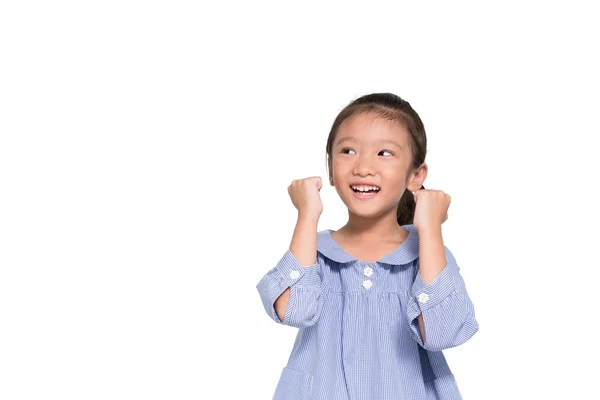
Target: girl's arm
(432, 260)
(439, 311)
(291, 292)
(304, 249)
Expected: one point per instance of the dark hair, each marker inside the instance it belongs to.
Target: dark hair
(393, 108)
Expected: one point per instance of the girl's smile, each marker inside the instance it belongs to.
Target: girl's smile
(363, 193)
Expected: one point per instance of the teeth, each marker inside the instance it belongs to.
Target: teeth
(364, 188)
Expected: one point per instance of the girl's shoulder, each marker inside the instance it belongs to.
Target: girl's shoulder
(329, 249)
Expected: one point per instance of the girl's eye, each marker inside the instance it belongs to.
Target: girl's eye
(382, 151)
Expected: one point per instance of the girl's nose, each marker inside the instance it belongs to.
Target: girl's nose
(363, 167)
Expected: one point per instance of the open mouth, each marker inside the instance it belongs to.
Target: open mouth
(365, 191)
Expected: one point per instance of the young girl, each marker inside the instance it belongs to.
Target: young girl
(378, 300)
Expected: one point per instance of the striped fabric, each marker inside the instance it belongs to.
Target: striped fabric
(358, 335)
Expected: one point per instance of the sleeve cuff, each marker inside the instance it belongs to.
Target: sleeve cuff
(443, 285)
(292, 273)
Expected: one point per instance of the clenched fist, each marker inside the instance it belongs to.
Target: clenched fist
(431, 209)
(305, 195)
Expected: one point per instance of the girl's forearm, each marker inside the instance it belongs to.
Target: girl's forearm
(432, 260)
(432, 257)
(304, 240)
(304, 248)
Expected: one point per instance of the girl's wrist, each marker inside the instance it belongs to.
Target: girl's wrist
(308, 216)
(430, 230)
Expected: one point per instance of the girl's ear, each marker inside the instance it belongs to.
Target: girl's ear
(417, 178)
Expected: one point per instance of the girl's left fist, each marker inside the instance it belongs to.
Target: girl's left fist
(431, 209)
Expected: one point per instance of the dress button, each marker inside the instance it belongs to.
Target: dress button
(367, 284)
(368, 271)
(423, 297)
(294, 274)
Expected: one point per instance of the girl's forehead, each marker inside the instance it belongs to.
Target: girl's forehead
(371, 128)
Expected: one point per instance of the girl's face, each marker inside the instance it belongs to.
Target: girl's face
(370, 150)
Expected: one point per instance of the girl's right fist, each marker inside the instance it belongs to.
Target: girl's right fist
(305, 195)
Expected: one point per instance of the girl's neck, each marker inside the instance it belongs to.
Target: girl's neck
(383, 228)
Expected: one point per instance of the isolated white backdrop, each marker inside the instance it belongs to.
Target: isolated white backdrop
(145, 152)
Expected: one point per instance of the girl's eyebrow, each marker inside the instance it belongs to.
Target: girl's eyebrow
(351, 139)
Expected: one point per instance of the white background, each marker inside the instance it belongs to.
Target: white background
(145, 154)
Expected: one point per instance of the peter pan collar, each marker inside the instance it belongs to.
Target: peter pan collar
(406, 252)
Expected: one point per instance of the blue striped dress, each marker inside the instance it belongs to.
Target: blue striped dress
(358, 334)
